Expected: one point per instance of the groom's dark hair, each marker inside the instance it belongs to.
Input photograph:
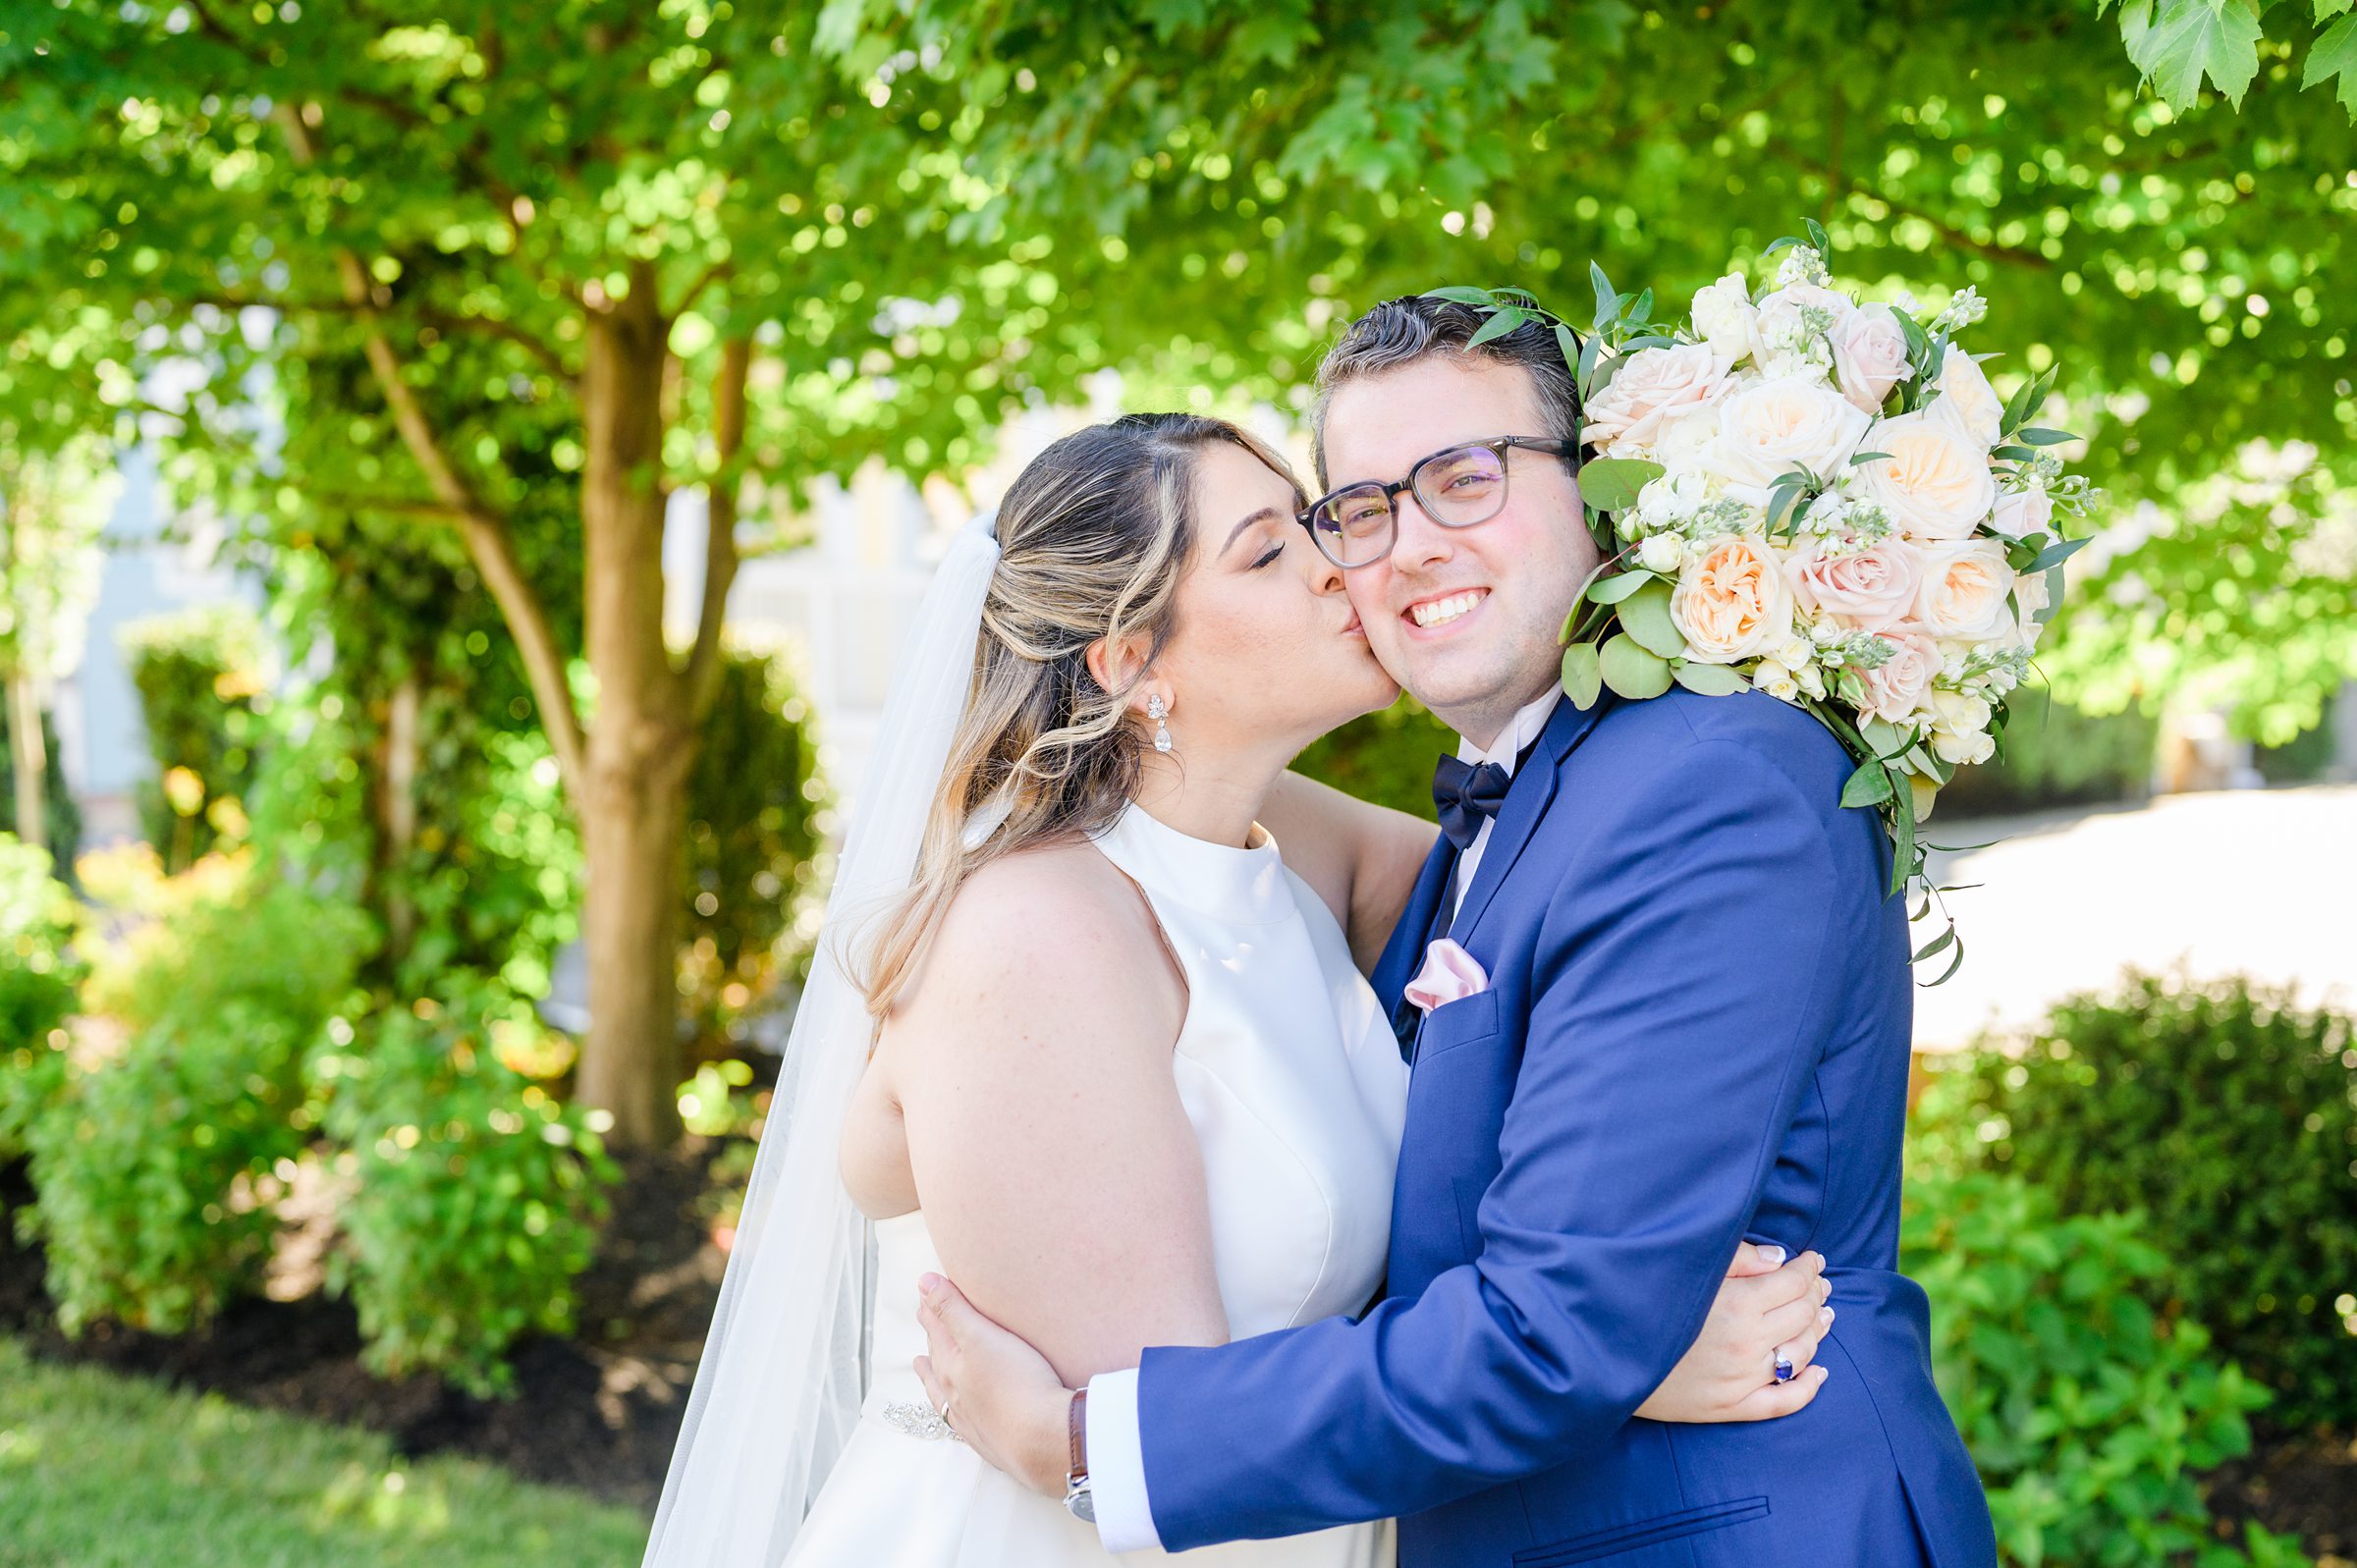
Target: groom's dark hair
(1413, 327)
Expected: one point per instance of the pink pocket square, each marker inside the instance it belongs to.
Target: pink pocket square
(1450, 974)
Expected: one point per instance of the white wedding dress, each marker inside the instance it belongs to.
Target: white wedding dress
(1289, 1073)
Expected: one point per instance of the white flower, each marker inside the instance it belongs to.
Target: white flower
(1959, 714)
(1964, 307)
(1965, 595)
(1934, 482)
(1963, 749)
(1723, 315)
(1812, 680)
(1796, 654)
(1798, 322)
(1663, 553)
(2022, 513)
(1766, 428)
(1965, 392)
(1770, 676)
(1654, 387)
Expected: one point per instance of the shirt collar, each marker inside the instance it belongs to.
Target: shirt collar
(1516, 738)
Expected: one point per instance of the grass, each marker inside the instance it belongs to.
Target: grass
(102, 1470)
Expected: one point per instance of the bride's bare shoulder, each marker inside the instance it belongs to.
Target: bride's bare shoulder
(1056, 926)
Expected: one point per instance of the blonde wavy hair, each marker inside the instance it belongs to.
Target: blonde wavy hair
(1094, 536)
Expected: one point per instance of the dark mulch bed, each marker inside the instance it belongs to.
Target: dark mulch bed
(2300, 1484)
(599, 1411)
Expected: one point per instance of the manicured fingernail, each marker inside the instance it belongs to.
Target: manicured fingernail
(1825, 1315)
(1821, 1372)
(1775, 1254)
(926, 1284)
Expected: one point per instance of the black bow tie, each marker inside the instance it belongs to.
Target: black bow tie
(1466, 794)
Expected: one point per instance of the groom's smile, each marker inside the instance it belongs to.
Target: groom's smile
(1465, 618)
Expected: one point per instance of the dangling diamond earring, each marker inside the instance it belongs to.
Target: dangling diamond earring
(1162, 731)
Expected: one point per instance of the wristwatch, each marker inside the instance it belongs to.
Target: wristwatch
(1079, 1500)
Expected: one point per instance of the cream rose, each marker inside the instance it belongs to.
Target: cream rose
(1723, 315)
(1653, 388)
(1870, 590)
(1733, 601)
(1766, 428)
(2032, 595)
(1965, 393)
(1966, 593)
(1959, 713)
(1661, 551)
(1934, 482)
(1898, 689)
(2022, 513)
(1869, 357)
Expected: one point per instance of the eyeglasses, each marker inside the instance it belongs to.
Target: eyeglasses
(1355, 526)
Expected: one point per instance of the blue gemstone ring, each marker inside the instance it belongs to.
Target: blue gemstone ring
(1784, 1369)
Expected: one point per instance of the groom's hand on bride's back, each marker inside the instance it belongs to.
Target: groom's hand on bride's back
(1766, 1309)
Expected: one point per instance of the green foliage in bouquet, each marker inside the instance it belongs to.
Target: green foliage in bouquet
(474, 1195)
(2089, 1414)
(2228, 1115)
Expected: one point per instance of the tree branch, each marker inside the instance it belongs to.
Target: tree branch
(1947, 231)
(701, 677)
(485, 529)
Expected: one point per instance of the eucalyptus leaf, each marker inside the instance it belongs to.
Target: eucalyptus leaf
(1937, 945)
(1504, 320)
(1569, 342)
(1645, 615)
(2059, 551)
(1778, 243)
(1631, 671)
(1463, 294)
(1857, 457)
(1708, 681)
(2012, 454)
(1870, 785)
(1824, 246)
(2041, 435)
(1583, 675)
(1612, 483)
(1954, 963)
(1607, 301)
(1884, 737)
(1612, 590)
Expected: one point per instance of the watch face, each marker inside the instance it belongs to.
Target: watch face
(1083, 1504)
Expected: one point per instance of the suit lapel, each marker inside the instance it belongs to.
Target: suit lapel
(1525, 803)
(1405, 952)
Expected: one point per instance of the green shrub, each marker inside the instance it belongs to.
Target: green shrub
(752, 804)
(2230, 1116)
(2089, 1414)
(1386, 757)
(154, 1172)
(155, 1168)
(200, 674)
(2055, 755)
(61, 811)
(37, 978)
(474, 1195)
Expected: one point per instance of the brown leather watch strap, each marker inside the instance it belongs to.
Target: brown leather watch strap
(1078, 1427)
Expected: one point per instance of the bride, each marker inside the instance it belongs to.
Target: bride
(1081, 1035)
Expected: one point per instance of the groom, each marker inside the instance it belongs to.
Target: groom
(1693, 1030)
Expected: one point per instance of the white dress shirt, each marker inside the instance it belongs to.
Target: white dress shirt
(1116, 1459)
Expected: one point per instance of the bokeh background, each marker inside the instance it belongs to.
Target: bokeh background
(467, 470)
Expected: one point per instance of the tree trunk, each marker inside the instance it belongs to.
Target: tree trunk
(397, 814)
(641, 742)
(31, 759)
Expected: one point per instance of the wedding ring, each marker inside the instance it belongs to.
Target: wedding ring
(1785, 1371)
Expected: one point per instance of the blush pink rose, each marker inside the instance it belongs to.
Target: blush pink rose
(2022, 513)
(1869, 357)
(1898, 692)
(1870, 590)
(1653, 388)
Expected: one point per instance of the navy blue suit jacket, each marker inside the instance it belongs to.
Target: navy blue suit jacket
(1696, 1031)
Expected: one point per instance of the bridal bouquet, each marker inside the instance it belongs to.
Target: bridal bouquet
(1820, 499)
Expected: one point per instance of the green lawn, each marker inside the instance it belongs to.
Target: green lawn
(100, 1470)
